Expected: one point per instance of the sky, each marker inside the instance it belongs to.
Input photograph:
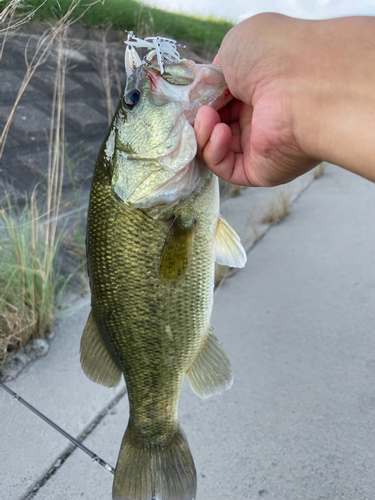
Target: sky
(237, 10)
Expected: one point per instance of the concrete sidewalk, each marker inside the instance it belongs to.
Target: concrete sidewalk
(298, 424)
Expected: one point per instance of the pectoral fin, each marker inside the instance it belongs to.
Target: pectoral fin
(228, 249)
(96, 361)
(211, 372)
(177, 249)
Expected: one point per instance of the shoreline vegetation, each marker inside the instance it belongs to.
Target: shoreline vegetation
(30, 282)
(127, 14)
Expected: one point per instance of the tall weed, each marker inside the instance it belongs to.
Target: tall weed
(29, 279)
(76, 240)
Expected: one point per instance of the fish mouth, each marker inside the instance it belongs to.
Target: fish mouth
(169, 172)
(213, 86)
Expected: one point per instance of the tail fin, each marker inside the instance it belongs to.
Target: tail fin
(155, 472)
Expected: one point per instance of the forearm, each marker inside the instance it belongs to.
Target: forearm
(305, 93)
(335, 94)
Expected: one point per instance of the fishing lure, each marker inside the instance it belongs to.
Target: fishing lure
(165, 49)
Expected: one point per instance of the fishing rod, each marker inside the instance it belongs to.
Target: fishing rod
(94, 456)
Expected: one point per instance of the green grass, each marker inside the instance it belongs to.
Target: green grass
(122, 14)
(28, 278)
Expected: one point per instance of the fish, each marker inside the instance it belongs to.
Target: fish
(154, 233)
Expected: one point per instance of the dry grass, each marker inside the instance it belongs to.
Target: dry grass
(234, 190)
(257, 235)
(116, 74)
(144, 23)
(27, 280)
(39, 56)
(11, 18)
(105, 69)
(228, 190)
(28, 277)
(75, 239)
(15, 14)
(319, 170)
(106, 63)
(278, 208)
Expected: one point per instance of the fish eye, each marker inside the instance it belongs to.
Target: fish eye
(132, 97)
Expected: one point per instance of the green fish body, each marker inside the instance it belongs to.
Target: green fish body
(153, 235)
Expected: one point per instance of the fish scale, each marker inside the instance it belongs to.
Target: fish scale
(151, 305)
(151, 271)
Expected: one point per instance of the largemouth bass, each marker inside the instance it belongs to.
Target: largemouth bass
(153, 235)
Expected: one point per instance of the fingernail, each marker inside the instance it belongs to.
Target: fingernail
(197, 125)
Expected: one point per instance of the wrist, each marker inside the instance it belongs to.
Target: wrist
(334, 103)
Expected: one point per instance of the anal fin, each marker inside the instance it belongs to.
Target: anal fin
(228, 249)
(211, 372)
(177, 249)
(96, 361)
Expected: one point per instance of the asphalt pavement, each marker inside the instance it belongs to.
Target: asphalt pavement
(298, 325)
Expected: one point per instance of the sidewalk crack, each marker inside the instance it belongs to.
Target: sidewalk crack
(33, 491)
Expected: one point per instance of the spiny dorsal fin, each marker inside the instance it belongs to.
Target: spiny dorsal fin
(228, 249)
(177, 249)
(211, 372)
(96, 361)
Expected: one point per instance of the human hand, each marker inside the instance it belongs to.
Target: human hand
(253, 140)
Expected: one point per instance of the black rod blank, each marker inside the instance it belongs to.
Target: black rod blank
(76, 443)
